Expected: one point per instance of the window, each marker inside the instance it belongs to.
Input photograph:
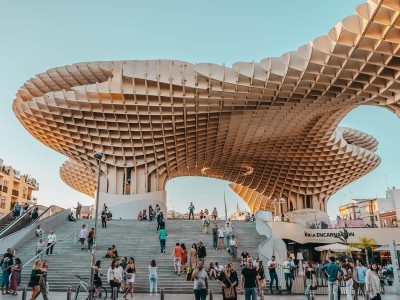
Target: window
(3, 203)
(5, 183)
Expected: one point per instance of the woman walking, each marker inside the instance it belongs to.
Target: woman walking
(348, 279)
(229, 280)
(193, 256)
(16, 276)
(114, 277)
(97, 279)
(153, 277)
(311, 279)
(184, 257)
(262, 283)
(373, 282)
(131, 273)
(233, 245)
(34, 279)
(43, 279)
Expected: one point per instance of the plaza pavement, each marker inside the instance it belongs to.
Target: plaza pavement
(389, 295)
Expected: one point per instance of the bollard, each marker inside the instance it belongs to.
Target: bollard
(114, 293)
(162, 294)
(210, 291)
(69, 293)
(23, 293)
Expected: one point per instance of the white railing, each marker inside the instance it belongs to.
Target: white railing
(19, 238)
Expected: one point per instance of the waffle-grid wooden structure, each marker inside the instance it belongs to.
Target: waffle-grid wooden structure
(270, 127)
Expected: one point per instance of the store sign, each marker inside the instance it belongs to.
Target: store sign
(325, 234)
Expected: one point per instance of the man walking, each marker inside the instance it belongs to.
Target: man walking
(273, 276)
(163, 238)
(200, 284)
(78, 211)
(83, 234)
(160, 221)
(191, 210)
(104, 218)
(332, 269)
(201, 252)
(361, 271)
(90, 239)
(249, 281)
(288, 271)
(177, 257)
(215, 236)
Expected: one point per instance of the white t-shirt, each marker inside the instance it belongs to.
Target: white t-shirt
(270, 263)
(83, 233)
(287, 264)
(220, 233)
(51, 238)
(152, 271)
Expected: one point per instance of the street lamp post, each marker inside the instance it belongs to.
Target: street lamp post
(98, 156)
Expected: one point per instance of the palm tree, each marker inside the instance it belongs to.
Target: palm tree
(365, 243)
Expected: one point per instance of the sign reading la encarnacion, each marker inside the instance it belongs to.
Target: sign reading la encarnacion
(326, 234)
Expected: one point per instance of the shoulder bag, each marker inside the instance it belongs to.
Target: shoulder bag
(229, 292)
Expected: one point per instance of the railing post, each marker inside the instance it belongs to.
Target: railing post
(162, 294)
(114, 293)
(210, 291)
(69, 293)
(23, 293)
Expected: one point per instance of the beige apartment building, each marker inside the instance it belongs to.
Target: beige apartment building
(14, 188)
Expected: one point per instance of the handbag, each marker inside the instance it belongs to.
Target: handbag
(229, 292)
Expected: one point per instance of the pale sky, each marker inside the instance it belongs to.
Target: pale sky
(38, 35)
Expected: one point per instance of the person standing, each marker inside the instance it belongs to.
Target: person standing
(201, 252)
(249, 281)
(214, 232)
(162, 235)
(288, 266)
(348, 279)
(43, 280)
(25, 208)
(361, 271)
(5, 278)
(373, 282)
(311, 279)
(16, 276)
(221, 238)
(34, 279)
(200, 284)
(35, 213)
(229, 280)
(191, 210)
(153, 277)
(90, 239)
(227, 234)
(78, 211)
(233, 246)
(160, 221)
(51, 241)
(215, 214)
(273, 276)
(17, 210)
(83, 234)
(114, 277)
(177, 258)
(97, 278)
(40, 246)
(193, 256)
(131, 274)
(104, 218)
(184, 257)
(333, 285)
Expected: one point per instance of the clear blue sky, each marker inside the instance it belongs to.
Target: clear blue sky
(38, 35)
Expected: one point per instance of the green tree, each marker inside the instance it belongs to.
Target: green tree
(365, 243)
(344, 236)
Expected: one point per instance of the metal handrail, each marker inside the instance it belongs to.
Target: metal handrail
(39, 218)
(15, 221)
(52, 244)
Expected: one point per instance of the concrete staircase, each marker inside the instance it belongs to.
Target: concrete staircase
(139, 240)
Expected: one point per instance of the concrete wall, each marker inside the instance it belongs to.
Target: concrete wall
(299, 234)
(128, 206)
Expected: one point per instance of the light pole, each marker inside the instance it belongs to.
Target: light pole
(98, 156)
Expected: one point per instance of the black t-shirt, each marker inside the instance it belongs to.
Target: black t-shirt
(245, 254)
(309, 274)
(250, 277)
(215, 231)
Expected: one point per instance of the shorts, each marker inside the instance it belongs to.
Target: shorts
(132, 279)
(177, 261)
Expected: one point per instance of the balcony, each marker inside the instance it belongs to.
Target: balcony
(15, 193)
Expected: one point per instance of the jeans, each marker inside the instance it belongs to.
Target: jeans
(114, 285)
(153, 279)
(227, 241)
(162, 244)
(289, 281)
(349, 288)
(103, 222)
(50, 248)
(90, 243)
(233, 252)
(307, 292)
(215, 241)
(200, 294)
(250, 293)
(191, 214)
(333, 287)
(273, 276)
(358, 286)
(41, 255)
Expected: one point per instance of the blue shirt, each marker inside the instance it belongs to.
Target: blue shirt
(332, 269)
(361, 273)
(163, 234)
